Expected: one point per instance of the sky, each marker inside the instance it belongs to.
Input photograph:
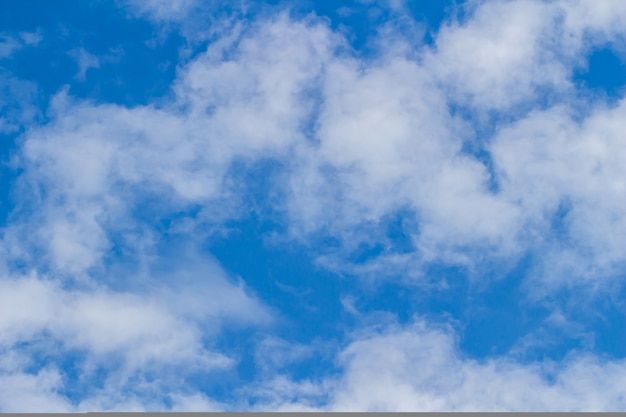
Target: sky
(353, 205)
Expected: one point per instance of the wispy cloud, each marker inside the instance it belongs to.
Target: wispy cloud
(85, 61)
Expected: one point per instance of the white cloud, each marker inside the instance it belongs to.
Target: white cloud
(511, 52)
(195, 287)
(24, 392)
(386, 141)
(100, 322)
(419, 368)
(142, 340)
(502, 54)
(550, 161)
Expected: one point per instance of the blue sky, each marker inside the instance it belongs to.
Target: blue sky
(360, 205)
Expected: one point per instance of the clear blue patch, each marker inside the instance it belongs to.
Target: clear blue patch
(559, 221)
(393, 236)
(305, 298)
(8, 177)
(135, 67)
(496, 317)
(604, 73)
(478, 152)
(609, 325)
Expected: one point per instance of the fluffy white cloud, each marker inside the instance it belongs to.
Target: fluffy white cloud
(508, 53)
(386, 141)
(567, 174)
(167, 326)
(419, 368)
(98, 163)
(501, 54)
(22, 392)
(100, 322)
(362, 140)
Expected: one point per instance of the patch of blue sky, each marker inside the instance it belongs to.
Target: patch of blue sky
(604, 72)
(308, 297)
(95, 50)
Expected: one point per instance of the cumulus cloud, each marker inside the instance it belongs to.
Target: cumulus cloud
(509, 53)
(419, 367)
(363, 140)
(387, 141)
(99, 162)
(165, 323)
(39, 389)
(567, 175)
(100, 322)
